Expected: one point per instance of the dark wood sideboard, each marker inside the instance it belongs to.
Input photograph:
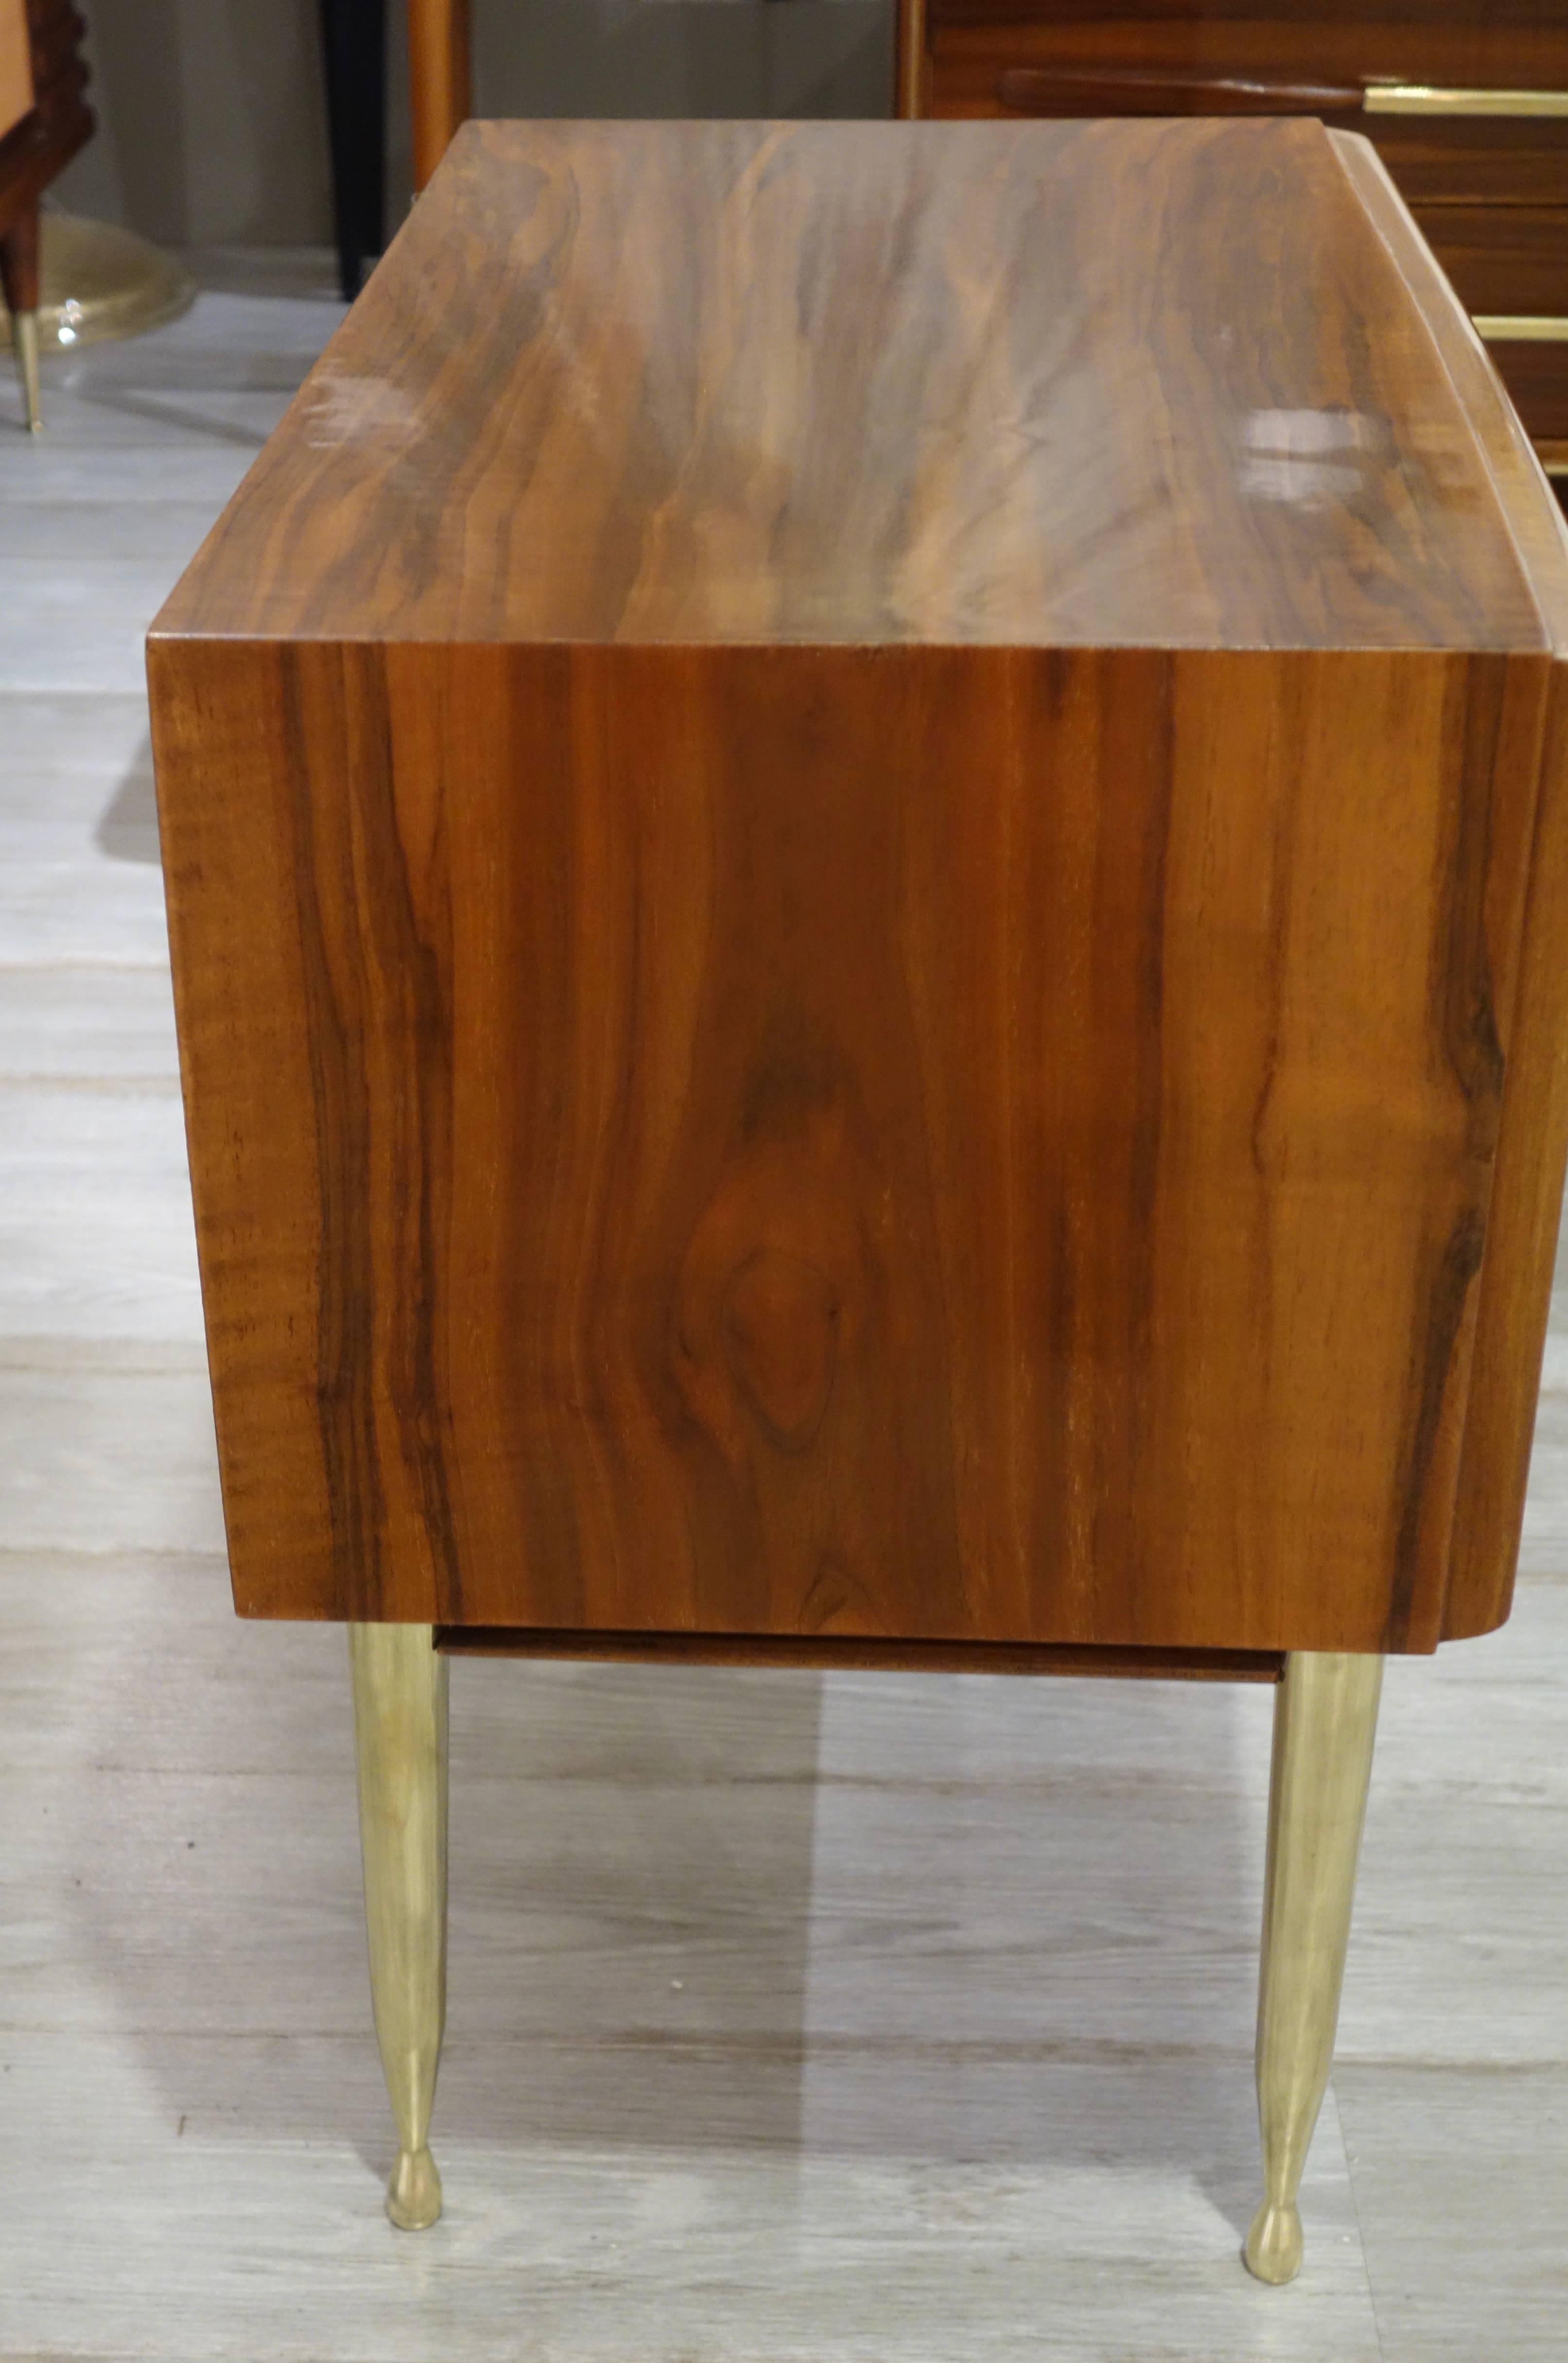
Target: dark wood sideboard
(1467, 104)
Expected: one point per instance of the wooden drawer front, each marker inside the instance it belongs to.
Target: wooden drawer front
(1437, 157)
(1502, 260)
(1439, 134)
(1472, 159)
(1536, 375)
(1511, 21)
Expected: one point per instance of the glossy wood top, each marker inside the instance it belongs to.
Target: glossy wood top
(1138, 383)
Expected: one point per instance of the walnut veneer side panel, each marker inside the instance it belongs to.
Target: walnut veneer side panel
(948, 1144)
(1516, 1294)
(1515, 1283)
(226, 739)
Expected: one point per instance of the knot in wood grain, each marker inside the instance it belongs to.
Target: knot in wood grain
(780, 1330)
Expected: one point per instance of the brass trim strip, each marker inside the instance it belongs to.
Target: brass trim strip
(1432, 98)
(1521, 329)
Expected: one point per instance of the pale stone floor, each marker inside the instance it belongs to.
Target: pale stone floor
(791, 2017)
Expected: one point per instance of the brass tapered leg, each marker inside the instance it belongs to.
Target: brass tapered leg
(400, 1734)
(25, 334)
(19, 284)
(1325, 1720)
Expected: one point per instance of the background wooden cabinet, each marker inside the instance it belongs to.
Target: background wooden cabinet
(1468, 107)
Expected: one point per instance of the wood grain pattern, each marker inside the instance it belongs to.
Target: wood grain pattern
(1514, 1280)
(1503, 258)
(780, 384)
(945, 1132)
(1527, 1197)
(1537, 378)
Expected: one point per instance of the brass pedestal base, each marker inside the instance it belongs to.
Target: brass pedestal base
(96, 282)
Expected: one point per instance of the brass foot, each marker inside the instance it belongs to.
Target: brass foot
(414, 2194)
(1325, 1721)
(400, 1734)
(25, 334)
(1272, 2251)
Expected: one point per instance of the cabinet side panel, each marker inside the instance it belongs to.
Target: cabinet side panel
(939, 1145)
(226, 757)
(971, 1144)
(697, 1342)
(1212, 1092)
(1516, 1279)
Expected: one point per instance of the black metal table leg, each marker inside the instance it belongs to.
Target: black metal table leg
(353, 36)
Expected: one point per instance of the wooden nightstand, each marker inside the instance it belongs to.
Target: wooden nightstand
(866, 836)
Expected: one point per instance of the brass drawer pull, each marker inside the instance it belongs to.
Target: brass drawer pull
(1432, 98)
(1521, 327)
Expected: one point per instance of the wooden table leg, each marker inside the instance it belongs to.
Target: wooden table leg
(1324, 1724)
(439, 93)
(909, 60)
(19, 277)
(400, 1736)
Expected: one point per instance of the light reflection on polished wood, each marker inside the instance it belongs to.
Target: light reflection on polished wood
(1324, 1724)
(400, 1734)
